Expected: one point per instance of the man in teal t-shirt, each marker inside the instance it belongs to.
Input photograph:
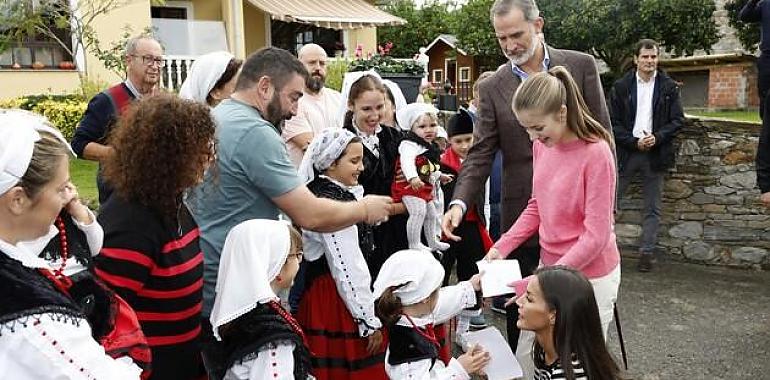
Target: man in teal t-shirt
(253, 177)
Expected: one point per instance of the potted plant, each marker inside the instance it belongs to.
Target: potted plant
(16, 66)
(66, 65)
(37, 65)
(407, 73)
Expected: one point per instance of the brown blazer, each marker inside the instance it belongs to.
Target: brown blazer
(497, 128)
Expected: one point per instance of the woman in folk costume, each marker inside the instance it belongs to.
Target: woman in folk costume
(211, 78)
(69, 247)
(259, 338)
(363, 95)
(43, 332)
(410, 302)
(337, 307)
(418, 162)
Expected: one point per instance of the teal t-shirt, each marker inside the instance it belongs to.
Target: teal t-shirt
(251, 169)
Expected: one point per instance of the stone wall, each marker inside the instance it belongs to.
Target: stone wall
(711, 211)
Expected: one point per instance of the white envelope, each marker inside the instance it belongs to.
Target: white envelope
(497, 275)
(502, 364)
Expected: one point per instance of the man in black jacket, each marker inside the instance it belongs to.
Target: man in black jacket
(763, 156)
(646, 114)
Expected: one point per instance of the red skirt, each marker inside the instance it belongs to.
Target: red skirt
(338, 352)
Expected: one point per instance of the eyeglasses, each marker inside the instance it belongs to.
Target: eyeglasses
(151, 59)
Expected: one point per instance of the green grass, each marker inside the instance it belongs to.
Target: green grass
(749, 116)
(83, 175)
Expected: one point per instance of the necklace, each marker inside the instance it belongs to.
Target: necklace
(289, 319)
(429, 333)
(57, 276)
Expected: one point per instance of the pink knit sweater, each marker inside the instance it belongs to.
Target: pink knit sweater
(573, 197)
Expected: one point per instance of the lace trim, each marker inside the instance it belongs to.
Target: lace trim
(19, 320)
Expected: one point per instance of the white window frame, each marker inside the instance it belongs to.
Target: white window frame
(464, 74)
(440, 73)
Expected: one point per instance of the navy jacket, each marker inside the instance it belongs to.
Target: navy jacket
(667, 119)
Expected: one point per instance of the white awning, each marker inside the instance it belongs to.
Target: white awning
(333, 14)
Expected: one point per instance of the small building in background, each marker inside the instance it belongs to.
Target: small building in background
(448, 63)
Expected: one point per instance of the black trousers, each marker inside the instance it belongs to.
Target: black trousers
(465, 252)
(529, 258)
(763, 80)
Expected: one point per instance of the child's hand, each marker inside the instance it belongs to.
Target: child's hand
(416, 183)
(374, 342)
(475, 360)
(446, 178)
(476, 282)
(76, 208)
(493, 254)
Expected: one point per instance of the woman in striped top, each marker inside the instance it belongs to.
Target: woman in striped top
(151, 255)
(560, 308)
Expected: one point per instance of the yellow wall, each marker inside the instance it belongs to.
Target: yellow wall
(207, 10)
(33, 82)
(253, 28)
(366, 36)
(109, 28)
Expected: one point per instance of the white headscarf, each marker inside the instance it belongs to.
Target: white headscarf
(409, 114)
(204, 74)
(20, 130)
(398, 96)
(419, 273)
(326, 147)
(347, 82)
(253, 255)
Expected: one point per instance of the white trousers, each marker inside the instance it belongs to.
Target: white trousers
(605, 292)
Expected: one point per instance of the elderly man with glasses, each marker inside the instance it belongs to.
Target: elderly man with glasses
(144, 60)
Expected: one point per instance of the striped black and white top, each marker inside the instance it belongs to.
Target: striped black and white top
(554, 371)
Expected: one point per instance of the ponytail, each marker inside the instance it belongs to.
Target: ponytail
(389, 307)
(546, 92)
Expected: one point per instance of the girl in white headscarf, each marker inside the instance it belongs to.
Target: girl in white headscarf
(211, 79)
(363, 101)
(411, 301)
(43, 332)
(336, 307)
(259, 338)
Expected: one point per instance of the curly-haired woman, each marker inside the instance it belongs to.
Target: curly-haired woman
(151, 255)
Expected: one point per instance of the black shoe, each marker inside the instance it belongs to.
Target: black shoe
(645, 263)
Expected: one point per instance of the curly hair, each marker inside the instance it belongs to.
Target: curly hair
(162, 146)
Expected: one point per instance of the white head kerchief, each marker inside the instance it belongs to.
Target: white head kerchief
(204, 74)
(398, 96)
(325, 148)
(20, 130)
(347, 82)
(409, 114)
(418, 271)
(253, 255)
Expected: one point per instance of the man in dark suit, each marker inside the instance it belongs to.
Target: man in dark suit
(517, 25)
(646, 115)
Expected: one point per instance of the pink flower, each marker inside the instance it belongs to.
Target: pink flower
(359, 51)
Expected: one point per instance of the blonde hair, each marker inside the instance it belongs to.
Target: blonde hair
(546, 92)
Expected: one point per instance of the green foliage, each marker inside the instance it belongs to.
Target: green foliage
(475, 35)
(610, 29)
(335, 72)
(83, 175)
(63, 111)
(423, 25)
(387, 64)
(748, 33)
(113, 56)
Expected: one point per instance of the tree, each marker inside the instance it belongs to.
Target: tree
(748, 33)
(475, 35)
(423, 26)
(610, 29)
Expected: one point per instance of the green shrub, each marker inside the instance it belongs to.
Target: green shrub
(335, 72)
(64, 111)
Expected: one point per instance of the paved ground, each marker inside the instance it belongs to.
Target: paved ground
(692, 321)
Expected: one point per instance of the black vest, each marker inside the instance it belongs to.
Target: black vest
(406, 345)
(25, 295)
(243, 338)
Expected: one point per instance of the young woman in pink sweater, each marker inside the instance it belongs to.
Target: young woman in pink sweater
(573, 189)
